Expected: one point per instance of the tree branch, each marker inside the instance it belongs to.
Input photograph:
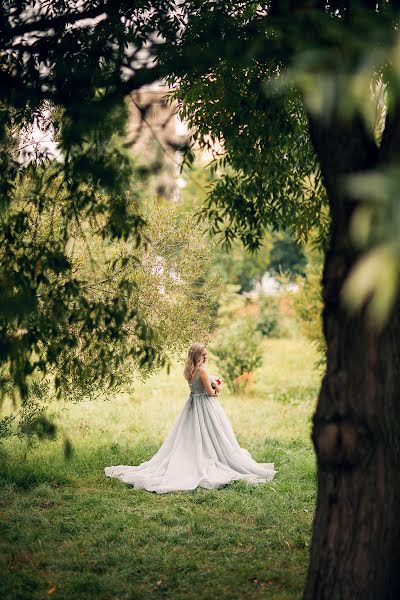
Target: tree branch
(43, 24)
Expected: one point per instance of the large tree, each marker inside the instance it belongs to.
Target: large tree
(294, 94)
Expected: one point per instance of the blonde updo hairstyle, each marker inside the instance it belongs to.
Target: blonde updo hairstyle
(193, 360)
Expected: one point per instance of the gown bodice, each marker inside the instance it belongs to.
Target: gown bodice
(197, 386)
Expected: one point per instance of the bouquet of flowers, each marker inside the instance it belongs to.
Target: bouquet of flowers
(216, 383)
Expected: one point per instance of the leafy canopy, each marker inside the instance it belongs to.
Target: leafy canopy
(269, 85)
(73, 239)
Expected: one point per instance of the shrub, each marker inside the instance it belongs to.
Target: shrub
(268, 321)
(308, 304)
(238, 351)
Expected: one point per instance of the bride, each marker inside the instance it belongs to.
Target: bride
(201, 449)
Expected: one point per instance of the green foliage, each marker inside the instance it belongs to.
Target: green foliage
(277, 253)
(177, 296)
(269, 318)
(286, 257)
(262, 110)
(237, 266)
(232, 265)
(66, 79)
(88, 310)
(233, 306)
(308, 301)
(238, 351)
(51, 311)
(267, 173)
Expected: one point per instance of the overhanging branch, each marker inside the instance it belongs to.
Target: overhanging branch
(44, 24)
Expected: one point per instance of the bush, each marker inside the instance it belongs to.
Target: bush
(308, 304)
(268, 321)
(238, 351)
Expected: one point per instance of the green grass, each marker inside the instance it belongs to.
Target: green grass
(68, 532)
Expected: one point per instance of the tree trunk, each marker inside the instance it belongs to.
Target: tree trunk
(355, 551)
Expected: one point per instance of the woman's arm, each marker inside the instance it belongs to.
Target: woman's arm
(206, 382)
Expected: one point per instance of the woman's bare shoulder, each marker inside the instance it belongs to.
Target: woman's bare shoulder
(202, 371)
(197, 372)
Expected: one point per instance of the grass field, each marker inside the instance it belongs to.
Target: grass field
(68, 532)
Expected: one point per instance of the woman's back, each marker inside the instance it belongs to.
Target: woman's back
(196, 385)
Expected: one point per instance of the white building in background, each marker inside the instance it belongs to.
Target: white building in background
(271, 286)
(157, 135)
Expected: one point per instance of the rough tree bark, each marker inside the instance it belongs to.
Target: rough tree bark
(355, 551)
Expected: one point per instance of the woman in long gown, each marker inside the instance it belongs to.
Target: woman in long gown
(201, 449)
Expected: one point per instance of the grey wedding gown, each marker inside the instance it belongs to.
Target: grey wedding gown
(201, 450)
